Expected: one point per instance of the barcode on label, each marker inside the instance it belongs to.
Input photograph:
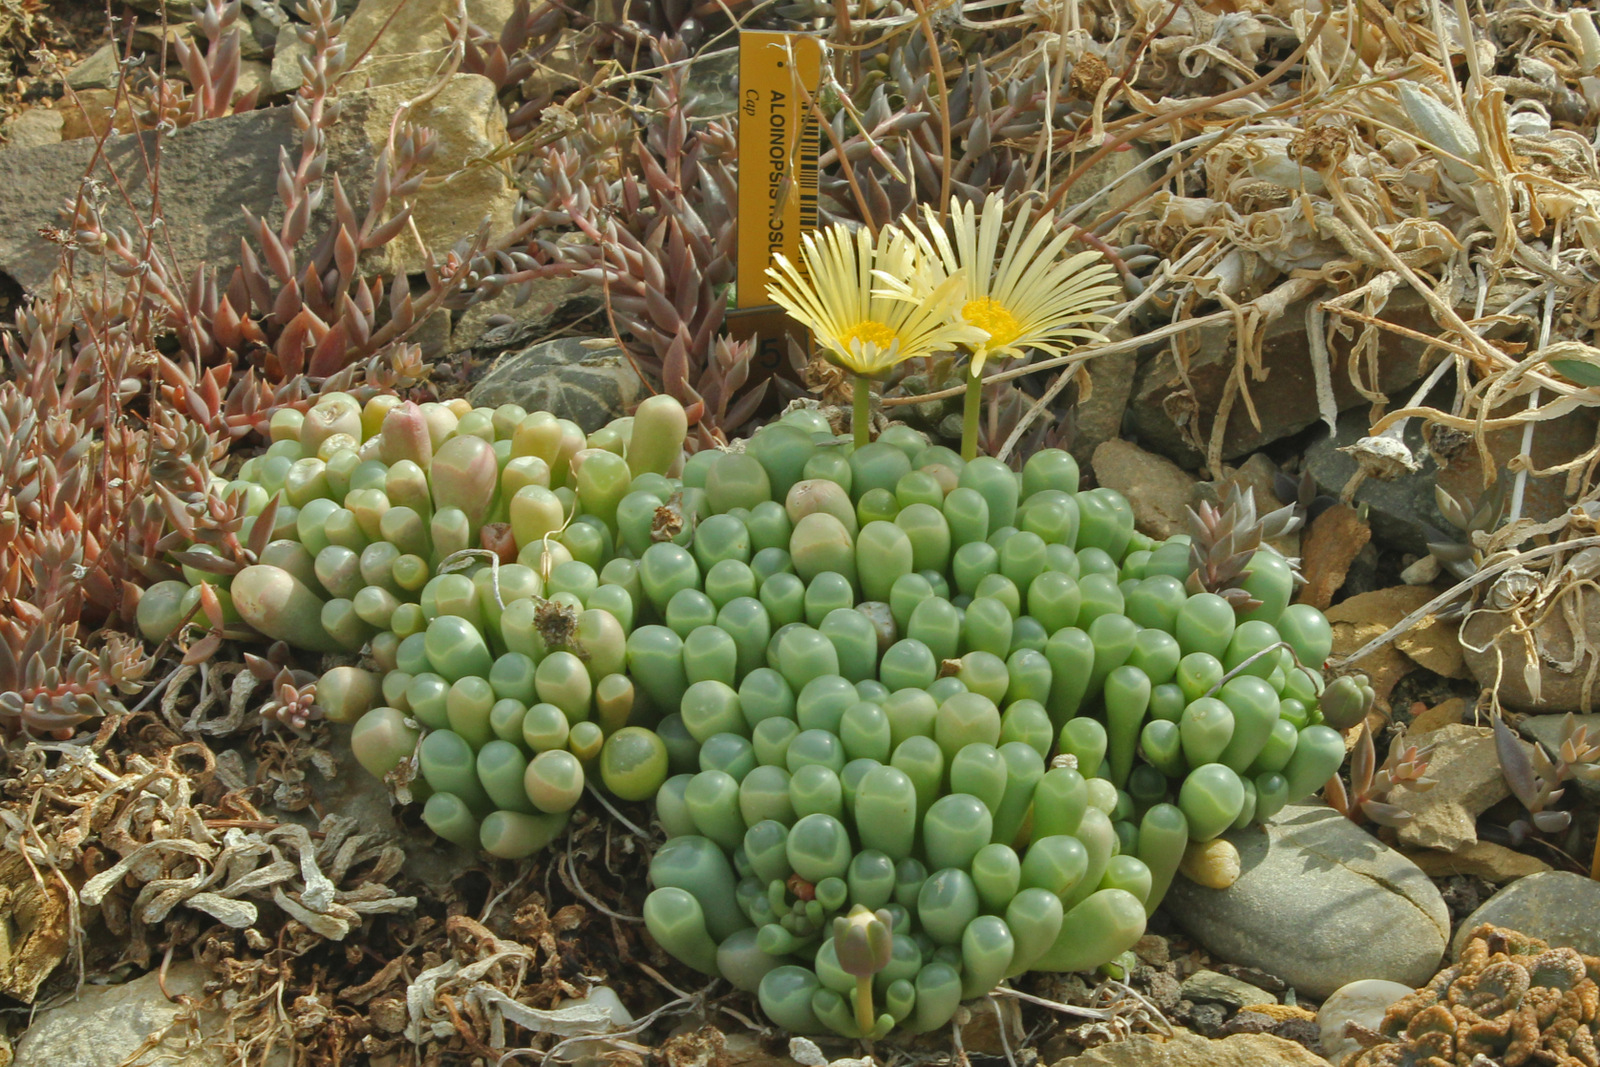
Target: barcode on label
(809, 138)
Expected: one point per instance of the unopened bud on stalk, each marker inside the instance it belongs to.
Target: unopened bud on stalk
(405, 436)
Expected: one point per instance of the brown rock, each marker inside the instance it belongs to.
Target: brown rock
(1435, 645)
(739, 1050)
(469, 123)
(1283, 1012)
(1467, 770)
(1448, 713)
(1187, 1049)
(1258, 474)
(1432, 643)
(1360, 619)
(982, 1033)
(1158, 488)
(1328, 549)
(1153, 949)
(1173, 409)
(1499, 659)
(88, 112)
(1481, 859)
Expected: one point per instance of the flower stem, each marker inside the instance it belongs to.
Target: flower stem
(969, 416)
(862, 420)
(864, 1017)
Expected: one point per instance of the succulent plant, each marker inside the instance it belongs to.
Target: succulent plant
(1460, 553)
(1537, 776)
(659, 243)
(1225, 542)
(1368, 797)
(912, 724)
(213, 78)
(1508, 998)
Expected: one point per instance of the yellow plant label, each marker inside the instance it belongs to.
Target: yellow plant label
(777, 175)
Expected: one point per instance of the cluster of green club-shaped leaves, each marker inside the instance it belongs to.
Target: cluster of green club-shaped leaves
(976, 710)
(912, 725)
(443, 540)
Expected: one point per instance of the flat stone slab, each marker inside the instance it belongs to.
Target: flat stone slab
(1559, 908)
(212, 169)
(1319, 902)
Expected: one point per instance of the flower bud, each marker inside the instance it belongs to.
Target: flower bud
(863, 941)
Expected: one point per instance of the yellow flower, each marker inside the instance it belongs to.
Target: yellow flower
(1022, 296)
(868, 330)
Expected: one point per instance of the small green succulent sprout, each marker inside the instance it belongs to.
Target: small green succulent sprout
(1346, 701)
(863, 943)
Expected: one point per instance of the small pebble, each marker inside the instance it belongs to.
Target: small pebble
(1213, 864)
(1164, 991)
(1301, 1031)
(1254, 975)
(1152, 949)
(1250, 1022)
(1208, 1019)
(1211, 986)
(1422, 572)
(1363, 1003)
(1283, 1012)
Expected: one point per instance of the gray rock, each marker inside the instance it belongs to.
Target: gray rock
(98, 71)
(1109, 182)
(34, 127)
(714, 81)
(1362, 1003)
(353, 792)
(1250, 1022)
(1557, 907)
(209, 170)
(1171, 408)
(107, 1025)
(1401, 512)
(564, 378)
(1319, 902)
(1219, 988)
(1208, 1019)
(1097, 418)
(473, 328)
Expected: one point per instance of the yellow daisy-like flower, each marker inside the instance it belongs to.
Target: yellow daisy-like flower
(1021, 296)
(864, 329)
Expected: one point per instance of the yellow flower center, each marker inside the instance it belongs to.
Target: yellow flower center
(989, 314)
(870, 331)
